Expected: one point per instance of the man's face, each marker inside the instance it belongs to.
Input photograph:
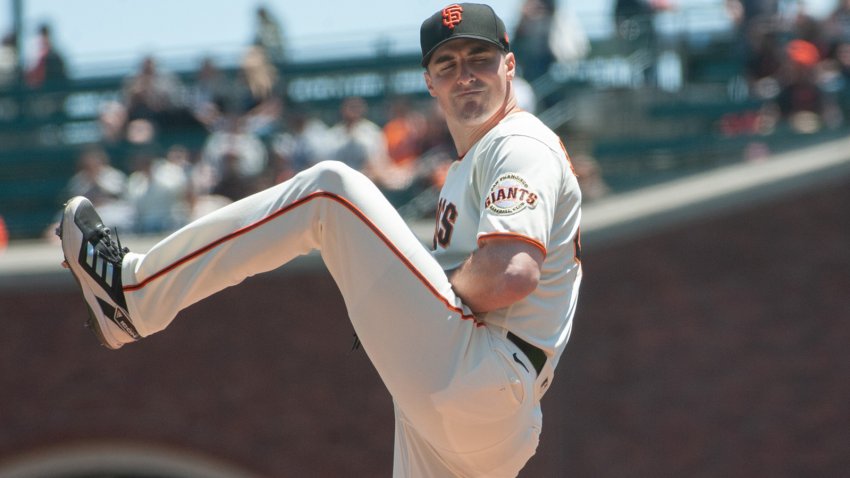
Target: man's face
(469, 78)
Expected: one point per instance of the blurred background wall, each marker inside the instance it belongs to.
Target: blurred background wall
(711, 143)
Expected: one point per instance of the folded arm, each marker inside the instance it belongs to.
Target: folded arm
(501, 272)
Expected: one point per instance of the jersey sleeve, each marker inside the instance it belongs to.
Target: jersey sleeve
(519, 182)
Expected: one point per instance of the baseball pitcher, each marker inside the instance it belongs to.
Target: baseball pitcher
(466, 336)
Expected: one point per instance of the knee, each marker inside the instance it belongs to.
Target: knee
(334, 175)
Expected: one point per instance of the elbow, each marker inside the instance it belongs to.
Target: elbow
(519, 284)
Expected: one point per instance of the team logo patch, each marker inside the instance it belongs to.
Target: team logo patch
(452, 15)
(510, 194)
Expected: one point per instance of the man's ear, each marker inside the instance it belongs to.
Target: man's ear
(510, 64)
(428, 83)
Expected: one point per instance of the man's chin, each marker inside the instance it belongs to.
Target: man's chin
(472, 116)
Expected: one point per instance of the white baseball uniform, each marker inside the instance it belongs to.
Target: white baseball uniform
(466, 398)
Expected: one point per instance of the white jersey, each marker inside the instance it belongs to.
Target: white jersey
(517, 181)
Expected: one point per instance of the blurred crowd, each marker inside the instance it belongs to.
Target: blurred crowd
(253, 136)
(795, 65)
(798, 65)
(172, 149)
(247, 149)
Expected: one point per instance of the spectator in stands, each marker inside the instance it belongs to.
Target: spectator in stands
(47, 74)
(157, 191)
(232, 183)
(404, 131)
(568, 39)
(209, 94)
(112, 120)
(49, 70)
(404, 135)
(439, 153)
(185, 159)
(357, 141)
(301, 145)
(530, 40)
(801, 101)
(151, 93)
(748, 15)
(233, 143)
(103, 184)
(437, 134)
(634, 21)
(258, 92)
(181, 156)
(546, 34)
(268, 35)
(757, 29)
(153, 103)
(95, 178)
(764, 64)
(8, 61)
(432, 166)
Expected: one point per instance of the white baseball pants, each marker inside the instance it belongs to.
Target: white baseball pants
(464, 406)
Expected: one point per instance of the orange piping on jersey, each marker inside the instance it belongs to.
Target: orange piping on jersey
(320, 194)
(567, 155)
(577, 246)
(512, 235)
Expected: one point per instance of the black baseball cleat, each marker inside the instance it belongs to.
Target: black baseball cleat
(94, 259)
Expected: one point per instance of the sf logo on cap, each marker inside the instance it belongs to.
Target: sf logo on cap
(452, 15)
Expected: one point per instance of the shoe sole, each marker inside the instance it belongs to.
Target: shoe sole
(94, 322)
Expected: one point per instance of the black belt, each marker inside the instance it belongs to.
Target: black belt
(536, 356)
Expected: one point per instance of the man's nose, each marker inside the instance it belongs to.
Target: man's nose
(465, 74)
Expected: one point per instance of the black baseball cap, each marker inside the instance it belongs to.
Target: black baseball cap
(462, 20)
